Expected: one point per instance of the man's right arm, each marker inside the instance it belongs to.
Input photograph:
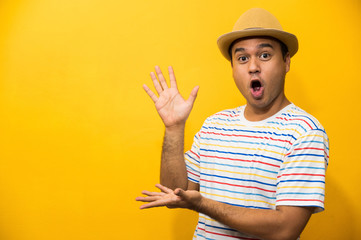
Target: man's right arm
(174, 111)
(173, 172)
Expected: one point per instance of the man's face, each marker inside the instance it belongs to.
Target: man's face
(259, 71)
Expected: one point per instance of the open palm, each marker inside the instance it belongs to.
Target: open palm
(171, 106)
(178, 198)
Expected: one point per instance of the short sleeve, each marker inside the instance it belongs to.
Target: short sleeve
(301, 180)
(192, 159)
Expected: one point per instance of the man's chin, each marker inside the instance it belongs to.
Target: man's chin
(258, 104)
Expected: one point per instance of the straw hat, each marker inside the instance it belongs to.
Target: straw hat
(257, 22)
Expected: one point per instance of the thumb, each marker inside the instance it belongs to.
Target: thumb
(193, 95)
(180, 192)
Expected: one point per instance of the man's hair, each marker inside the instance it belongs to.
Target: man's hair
(284, 48)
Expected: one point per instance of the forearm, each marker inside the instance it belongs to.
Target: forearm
(174, 110)
(283, 223)
(173, 173)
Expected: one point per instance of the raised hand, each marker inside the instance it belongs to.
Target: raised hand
(171, 106)
(178, 198)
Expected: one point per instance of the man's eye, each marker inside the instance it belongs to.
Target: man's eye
(265, 56)
(242, 58)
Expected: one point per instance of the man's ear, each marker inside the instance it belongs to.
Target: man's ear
(288, 62)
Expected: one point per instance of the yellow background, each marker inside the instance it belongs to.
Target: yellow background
(80, 139)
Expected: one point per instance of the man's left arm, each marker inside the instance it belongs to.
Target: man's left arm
(285, 222)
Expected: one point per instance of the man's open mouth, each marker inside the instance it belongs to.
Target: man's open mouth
(256, 88)
(256, 85)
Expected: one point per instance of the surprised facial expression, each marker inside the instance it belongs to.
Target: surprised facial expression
(259, 71)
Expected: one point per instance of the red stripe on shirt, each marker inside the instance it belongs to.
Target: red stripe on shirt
(302, 174)
(226, 235)
(194, 153)
(240, 160)
(308, 200)
(238, 135)
(226, 115)
(193, 173)
(296, 119)
(309, 148)
(236, 185)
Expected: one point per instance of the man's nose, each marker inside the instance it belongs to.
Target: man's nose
(253, 66)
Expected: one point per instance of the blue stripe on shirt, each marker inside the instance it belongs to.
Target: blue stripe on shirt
(243, 154)
(248, 131)
(253, 194)
(238, 179)
(235, 166)
(247, 142)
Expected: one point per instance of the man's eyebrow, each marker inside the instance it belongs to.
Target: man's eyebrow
(239, 50)
(264, 45)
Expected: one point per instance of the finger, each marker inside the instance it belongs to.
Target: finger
(192, 97)
(146, 199)
(148, 193)
(159, 203)
(150, 205)
(161, 78)
(156, 84)
(173, 82)
(164, 189)
(150, 93)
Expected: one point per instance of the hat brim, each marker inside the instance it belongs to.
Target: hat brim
(227, 39)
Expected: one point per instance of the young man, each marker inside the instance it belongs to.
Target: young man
(254, 172)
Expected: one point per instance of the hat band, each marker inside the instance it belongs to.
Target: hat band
(253, 28)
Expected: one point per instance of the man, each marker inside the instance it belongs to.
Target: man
(253, 172)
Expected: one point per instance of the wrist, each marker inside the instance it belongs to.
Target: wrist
(199, 205)
(175, 128)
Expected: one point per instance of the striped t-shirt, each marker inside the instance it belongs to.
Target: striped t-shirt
(278, 161)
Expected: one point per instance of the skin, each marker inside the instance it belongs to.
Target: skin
(174, 110)
(253, 59)
(260, 59)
